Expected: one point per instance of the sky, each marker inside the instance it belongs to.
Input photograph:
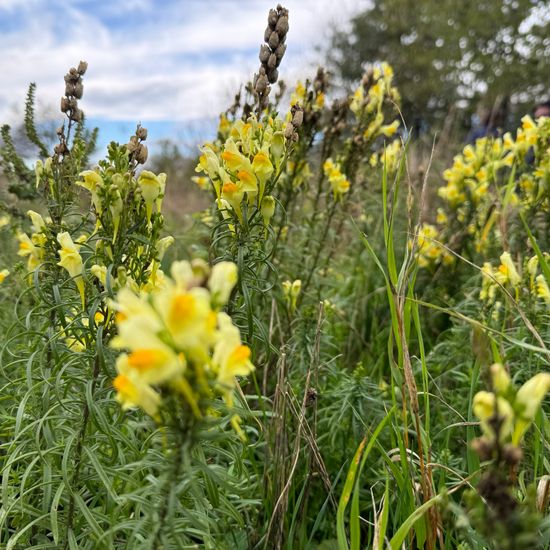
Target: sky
(171, 65)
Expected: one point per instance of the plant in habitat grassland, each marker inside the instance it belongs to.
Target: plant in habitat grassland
(347, 349)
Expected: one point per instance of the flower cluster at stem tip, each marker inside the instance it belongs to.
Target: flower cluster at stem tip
(506, 413)
(179, 341)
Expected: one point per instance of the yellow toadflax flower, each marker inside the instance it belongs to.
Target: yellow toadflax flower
(486, 407)
(151, 187)
(92, 181)
(542, 288)
(71, 261)
(222, 281)
(338, 181)
(528, 401)
(3, 274)
(176, 339)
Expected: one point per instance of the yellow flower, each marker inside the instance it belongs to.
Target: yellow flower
(116, 208)
(501, 378)
(337, 180)
(150, 186)
(71, 260)
(38, 223)
(267, 209)
(3, 274)
(231, 358)
(234, 160)
(222, 281)
(542, 288)
(389, 129)
(508, 271)
(262, 167)
(92, 181)
(527, 403)
(31, 248)
(133, 392)
(487, 406)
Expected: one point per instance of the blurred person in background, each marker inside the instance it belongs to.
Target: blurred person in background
(542, 109)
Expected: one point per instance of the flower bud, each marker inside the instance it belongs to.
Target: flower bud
(222, 281)
(501, 378)
(267, 209)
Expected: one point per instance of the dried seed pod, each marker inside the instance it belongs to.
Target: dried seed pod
(482, 447)
(298, 117)
(272, 61)
(511, 454)
(261, 84)
(59, 131)
(82, 67)
(272, 18)
(273, 41)
(69, 88)
(77, 115)
(282, 25)
(141, 133)
(61, 148)
(131, 146)
(543, 493)
(267, 33)
(280, 51)
(272, 76)
(78, 90)
(265, 53)
(65, 105)
(289, 131)
(141, 154)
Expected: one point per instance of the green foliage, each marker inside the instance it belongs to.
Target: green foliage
(359, 421)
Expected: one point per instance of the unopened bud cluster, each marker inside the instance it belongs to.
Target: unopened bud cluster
(74, 90)
(137, 150)
(271, 54)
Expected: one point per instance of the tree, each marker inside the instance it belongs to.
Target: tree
(448, 53)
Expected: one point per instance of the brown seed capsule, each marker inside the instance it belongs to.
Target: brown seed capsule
(511, 454)
(69, 88)
(78, 90)
(289, 131)
(64, 104)
(59, 131)
(273, 40)
(298, 118)
(73, 72)
(141, 133)
(272, 18)
(280, 51)
(265, 53)
(272, 61)
(141, 154)
(267, 33)
(282, 25)
(77, 115)
(482, 447)
(261, 84)
(82, 67)
(272, 76)
(131, 146)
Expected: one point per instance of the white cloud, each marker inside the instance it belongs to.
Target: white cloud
(178, 61)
